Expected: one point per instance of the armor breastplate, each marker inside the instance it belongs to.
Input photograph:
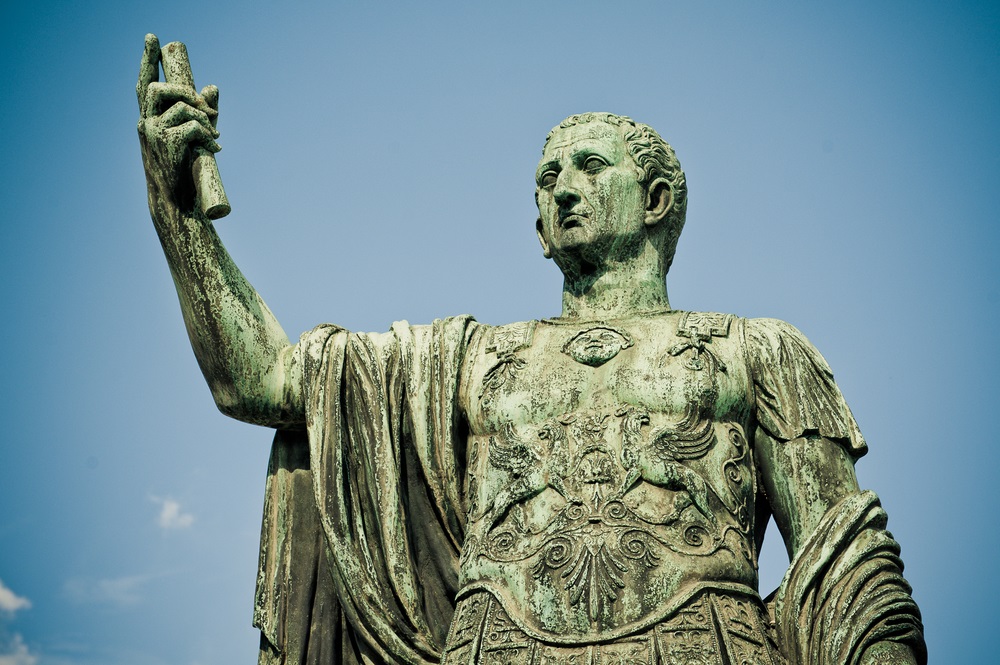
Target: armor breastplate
(610, 476)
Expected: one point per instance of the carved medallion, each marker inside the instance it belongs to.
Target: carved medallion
(596, 346)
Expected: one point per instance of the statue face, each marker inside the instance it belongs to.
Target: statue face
(590, 202)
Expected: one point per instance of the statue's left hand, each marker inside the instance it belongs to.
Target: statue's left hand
(888, 653)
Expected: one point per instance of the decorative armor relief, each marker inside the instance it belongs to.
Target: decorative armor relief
(711, 629)
(596, 346)
(504, 343)
(599, 542)
(597, 509)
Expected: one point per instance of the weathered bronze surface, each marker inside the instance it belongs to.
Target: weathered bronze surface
(592, 488)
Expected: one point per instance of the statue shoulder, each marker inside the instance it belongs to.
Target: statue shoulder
(509, 338)
(795, 393)
(776, 341)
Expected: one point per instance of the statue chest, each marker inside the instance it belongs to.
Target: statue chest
(609, 469)
(529, 373)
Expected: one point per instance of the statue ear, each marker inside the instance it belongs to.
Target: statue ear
(542, 239)
(659, 201)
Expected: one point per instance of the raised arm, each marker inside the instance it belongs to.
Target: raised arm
(243, 352)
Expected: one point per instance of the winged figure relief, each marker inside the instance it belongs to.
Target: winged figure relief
(530, 473)
(659, 460)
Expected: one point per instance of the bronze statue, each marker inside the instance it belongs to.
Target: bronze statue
(591, 488)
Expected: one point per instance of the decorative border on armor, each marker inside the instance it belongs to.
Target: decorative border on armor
(690, 637)
(712, 629)
(466, 630)
(504, 644)
(638, 650)
(499, 632)
(743, 630)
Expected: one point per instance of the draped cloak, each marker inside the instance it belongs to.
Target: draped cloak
(365, 516)
(364, 521)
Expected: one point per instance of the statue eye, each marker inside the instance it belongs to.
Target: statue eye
(547, 180)
(594, 164)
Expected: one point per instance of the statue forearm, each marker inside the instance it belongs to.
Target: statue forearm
(237, 340)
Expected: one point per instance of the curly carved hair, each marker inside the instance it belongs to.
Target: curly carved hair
(654, 157)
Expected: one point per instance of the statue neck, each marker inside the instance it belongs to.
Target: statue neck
(614, 293)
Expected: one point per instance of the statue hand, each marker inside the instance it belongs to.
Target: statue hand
(888, 653)
(173, 120)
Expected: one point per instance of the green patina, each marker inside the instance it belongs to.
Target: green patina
(593, 486)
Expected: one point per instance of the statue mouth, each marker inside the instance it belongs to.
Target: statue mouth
(571, 221)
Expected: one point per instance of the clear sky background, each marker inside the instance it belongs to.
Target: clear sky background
(843, 167)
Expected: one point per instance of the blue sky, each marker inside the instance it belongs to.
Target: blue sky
(842, 161)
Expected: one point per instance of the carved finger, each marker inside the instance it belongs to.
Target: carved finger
(193, 132)
(149, 70)
(160, 96)
(210, 94)
(181, 113)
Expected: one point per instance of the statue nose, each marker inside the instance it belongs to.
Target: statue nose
(566, 198)
(565, 194)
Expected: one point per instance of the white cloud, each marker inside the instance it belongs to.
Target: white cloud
(16, 653)
(170, 516)
(11, 602)
(113, 590)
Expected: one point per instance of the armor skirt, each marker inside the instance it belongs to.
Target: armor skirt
(714, 628)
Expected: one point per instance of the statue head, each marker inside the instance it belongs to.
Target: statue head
(656, 168)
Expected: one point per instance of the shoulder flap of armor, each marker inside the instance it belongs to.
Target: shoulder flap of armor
(510, 338)
(704, 325)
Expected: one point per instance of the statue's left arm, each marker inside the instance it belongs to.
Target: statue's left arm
(806, 479)
(844, 599)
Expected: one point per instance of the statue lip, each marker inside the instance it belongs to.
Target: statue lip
(571, 220)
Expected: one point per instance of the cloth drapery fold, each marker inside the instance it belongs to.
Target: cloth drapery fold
(373, 495)
(845, 591)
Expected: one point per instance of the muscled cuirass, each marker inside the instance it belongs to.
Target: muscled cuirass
(610, 477)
